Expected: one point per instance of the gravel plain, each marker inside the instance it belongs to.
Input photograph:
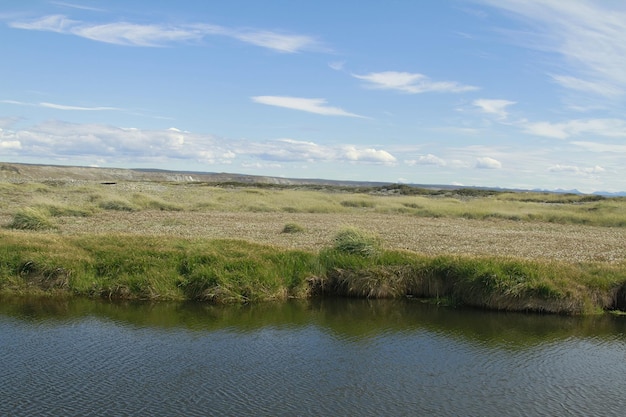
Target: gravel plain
(432, 236)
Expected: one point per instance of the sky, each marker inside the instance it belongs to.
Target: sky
(524, 94)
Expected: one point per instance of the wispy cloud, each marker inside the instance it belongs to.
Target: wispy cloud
(280, 42)
(612, 128)
(337, 65)
(155, 35)
(57, 106)
(311, 105)
(616, 149)
(77, 6)
(411, 83)
(77, 108)
(589, 36)
(577, 170)
(495, 107)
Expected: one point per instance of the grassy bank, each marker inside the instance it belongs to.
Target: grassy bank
(228, 242)
(355, 264)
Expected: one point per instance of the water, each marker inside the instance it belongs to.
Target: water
(329, 357)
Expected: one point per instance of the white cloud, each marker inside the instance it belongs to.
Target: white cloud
(155, 35)
(577, 170)
(487, 163)
(57, 106)
(10, 144)
(78, 108)
(52, 23)
(290, 150)
(601, 147)
(590, 36)
(54, 140)
(337, 65)
(547, 129)
(412, 83)
(429, 159)
(77, 6)
(613, 128)
(353, 153)
(491, 106)
(596, 87)
(276, 41)
(131, 34)
(311, 105)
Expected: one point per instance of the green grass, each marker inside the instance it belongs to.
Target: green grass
(32, 219)
(293, 228)
(224, 271)
(117, 205)
(354, 241)
(87, 199)
(36, 255)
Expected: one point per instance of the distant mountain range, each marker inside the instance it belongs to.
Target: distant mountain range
(16, 172)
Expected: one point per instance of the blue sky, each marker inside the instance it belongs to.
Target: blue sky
(509, 93)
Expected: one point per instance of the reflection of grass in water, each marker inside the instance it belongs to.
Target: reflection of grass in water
(356, 321)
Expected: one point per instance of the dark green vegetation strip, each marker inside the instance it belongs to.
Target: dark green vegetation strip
(219, 271)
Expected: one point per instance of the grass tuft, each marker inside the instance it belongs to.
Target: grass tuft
(116, 205)
(32, 219)
(354, 241)
(293, 228)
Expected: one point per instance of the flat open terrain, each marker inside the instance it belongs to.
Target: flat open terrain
(527, 225)
(424, 235)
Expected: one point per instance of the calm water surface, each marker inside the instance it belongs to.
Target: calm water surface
(323, 358)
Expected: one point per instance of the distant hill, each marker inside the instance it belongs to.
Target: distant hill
(18, 172)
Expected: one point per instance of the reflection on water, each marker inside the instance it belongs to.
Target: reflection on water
(322, 357)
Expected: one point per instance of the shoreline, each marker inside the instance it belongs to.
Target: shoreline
(233, 242)
(117, 266)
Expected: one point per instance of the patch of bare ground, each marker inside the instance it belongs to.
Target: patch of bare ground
(432, 236)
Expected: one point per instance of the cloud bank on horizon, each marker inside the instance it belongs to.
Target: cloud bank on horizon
(475, 92)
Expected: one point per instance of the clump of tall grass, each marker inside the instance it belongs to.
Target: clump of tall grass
(32, 218)
(293, 228)
(152, 203)
(357, 203)
(117, 205)
(357, 242)
(57, 210)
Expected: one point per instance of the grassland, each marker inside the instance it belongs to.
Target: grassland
(225, 242)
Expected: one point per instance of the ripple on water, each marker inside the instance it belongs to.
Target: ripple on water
(91, 366)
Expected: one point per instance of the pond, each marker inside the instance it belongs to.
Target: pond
(326, 357)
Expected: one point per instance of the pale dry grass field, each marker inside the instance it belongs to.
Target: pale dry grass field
(433, 236)
(502, 225)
